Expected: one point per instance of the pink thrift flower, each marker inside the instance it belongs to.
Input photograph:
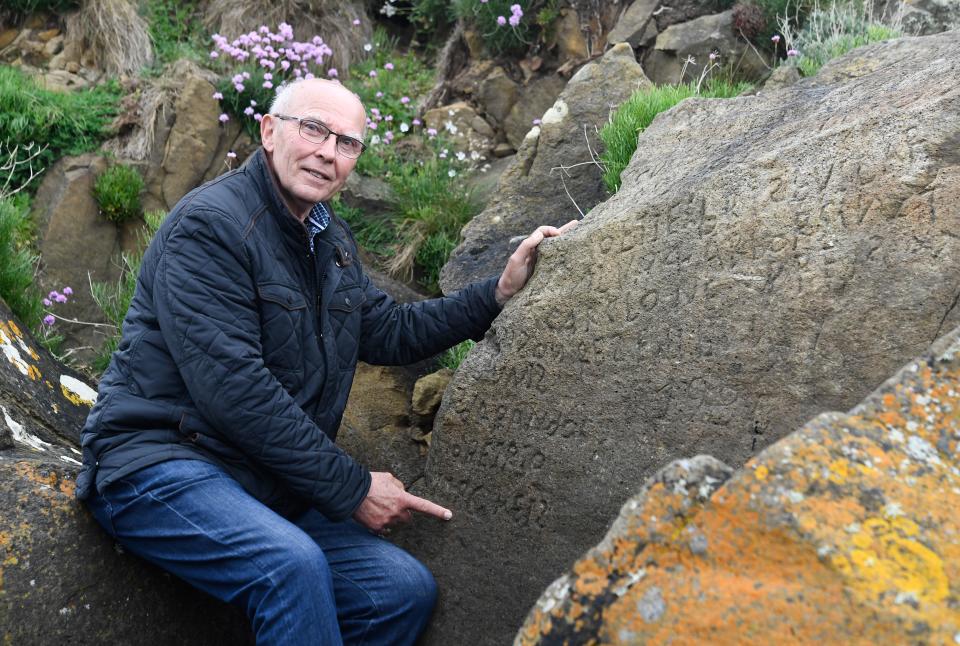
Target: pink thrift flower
(515, 9)
(268, 76)
(373, 74)
(246, 76)
(332, 72)
(389, 117)
(501, 21)
(224, 118)
(284, 65)
(257, 117)
(432, 132)
(253, 103)
(238, 87)
(231, 155)
(388, 66)
(61, 298)
(68, 291)
(214, 55)
(713, 56)
(537, 122)
(217, 95)
(379, 95)
(48, 320)
(47, 302)
(417, 122)
(248, 111)
(776, 38)
(404, 100)
(53, 295)
(356, 21)
(514, 20)
(792, 52)
(267, 84)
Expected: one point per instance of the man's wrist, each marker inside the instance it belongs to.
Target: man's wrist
(500, 296)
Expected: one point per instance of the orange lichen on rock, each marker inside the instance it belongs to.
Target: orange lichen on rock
(844, 532)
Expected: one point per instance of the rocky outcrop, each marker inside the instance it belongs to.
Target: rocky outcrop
(843, 532)
(533, 190)
(61, 578)
(768, 258)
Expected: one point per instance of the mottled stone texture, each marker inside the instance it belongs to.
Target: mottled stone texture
(62, 581)
(846, 531)
(767, 259)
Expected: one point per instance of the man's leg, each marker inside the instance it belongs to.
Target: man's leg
(384, 595)
(195, 521)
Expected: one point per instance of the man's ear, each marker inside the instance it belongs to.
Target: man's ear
(267, 128)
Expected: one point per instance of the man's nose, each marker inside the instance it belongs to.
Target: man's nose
(327, 148)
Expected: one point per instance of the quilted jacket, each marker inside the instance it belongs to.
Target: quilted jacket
(240, 346)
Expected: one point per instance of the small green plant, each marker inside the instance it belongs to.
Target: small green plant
(56, 123)
(18, 262)
(175, 29)
(453, 357)
(499, 22)
(20, 9)
(375, 235)
(114, 299)
(832, 32)
(117, 191)
(620, 135)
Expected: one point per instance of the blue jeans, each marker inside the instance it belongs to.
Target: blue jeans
(301, 581)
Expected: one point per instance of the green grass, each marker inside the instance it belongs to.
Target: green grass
(176, 30)
(620, 135)
(66, 123)
(18, 262)
(117, 191)
(453, 357)
(482, 16)
(375, 235)
(114, 299)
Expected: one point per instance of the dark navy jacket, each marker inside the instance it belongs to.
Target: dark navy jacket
(240, 346)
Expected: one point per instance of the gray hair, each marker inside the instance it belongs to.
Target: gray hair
(283, 97)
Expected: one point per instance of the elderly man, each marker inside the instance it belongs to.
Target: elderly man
(210, 451)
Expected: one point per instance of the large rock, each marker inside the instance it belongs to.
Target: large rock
(696, 40)
(926, 16)
(461, 126)
(636, 26)
(531, 191)
(844, 532)
(62, 581)
(768, 258)
(532, 100)
(78, 246)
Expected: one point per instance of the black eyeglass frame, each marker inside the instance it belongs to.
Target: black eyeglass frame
(300, 121)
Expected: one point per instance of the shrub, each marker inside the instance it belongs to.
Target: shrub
(749, 20)
(620, 135)
(66, 123)
(117, 191)
(453, 357)
(832, 32)
(114, 299)
(175, 30)
(499, 22)
(20, 9)
(18, 262)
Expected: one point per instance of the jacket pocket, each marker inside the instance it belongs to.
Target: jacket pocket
(345, 310)
(283, 327)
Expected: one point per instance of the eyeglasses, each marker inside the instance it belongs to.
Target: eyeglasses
(317, 132)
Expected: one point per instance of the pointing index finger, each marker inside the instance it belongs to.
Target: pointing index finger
(424, 506)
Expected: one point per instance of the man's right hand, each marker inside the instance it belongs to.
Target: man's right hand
(388, 504)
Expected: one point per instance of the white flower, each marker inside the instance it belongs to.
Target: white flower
(388, 10)
(449, 127)
(404, 127)
(367, 47)
(452, 173)
(461, 155)
(374, 140)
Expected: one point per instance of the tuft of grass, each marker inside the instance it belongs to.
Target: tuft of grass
(118, 34)
(373, 234)
(833, 31)
(621, 133)
(66, 123)
(114, 299)
(453, 357)
(117, 191)
(18, 262)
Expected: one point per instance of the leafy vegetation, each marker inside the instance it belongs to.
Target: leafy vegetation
(117, 191)
(175, 30)
(832, 32)
(18, 262)
(620, 135)
(23, 8)
(453, 357)
(114, 299)
(66, 123)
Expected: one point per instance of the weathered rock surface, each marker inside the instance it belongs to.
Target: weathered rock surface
(697, 39)
(767, 259)
(61, 579)
(844, 532)
(636, 26)
(533, 99)
(428, 391)
(531, 191)
(923, 17)
(461, 124)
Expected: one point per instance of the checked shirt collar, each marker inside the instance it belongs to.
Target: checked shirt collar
(317, 221)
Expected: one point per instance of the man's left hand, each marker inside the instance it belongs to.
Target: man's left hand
(520, 265)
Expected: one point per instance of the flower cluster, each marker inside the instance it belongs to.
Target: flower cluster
(53, 298)
(516, 13)
(259, 61)
(490, 17)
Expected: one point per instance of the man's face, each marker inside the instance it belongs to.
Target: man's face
(308, 172)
